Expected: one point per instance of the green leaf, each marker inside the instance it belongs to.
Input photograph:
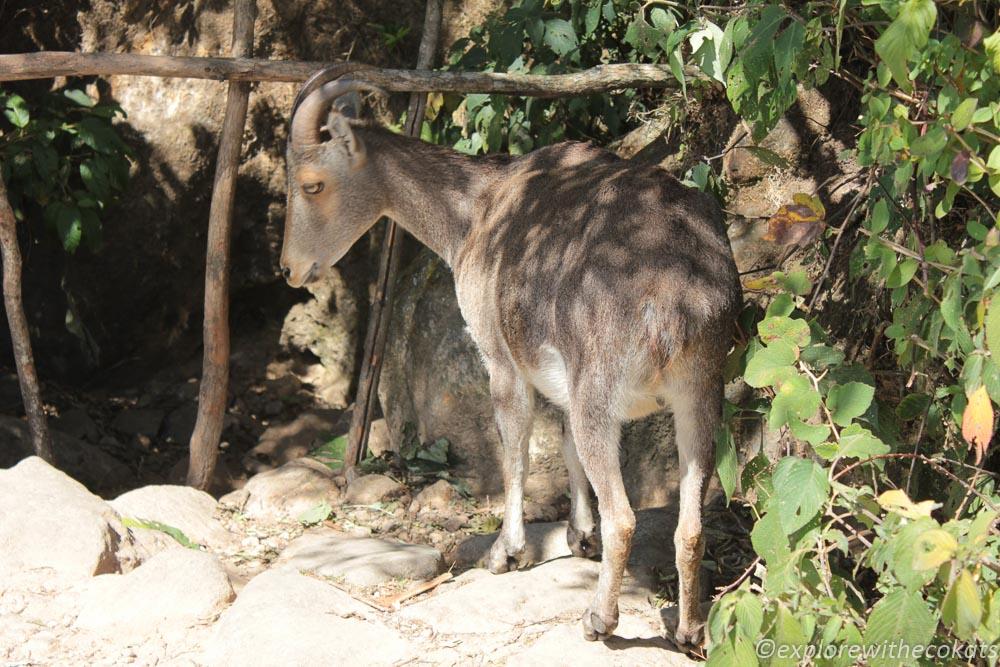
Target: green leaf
(17, 111)
(902, 273)
(879, 217)
(79, 97)
(931, 143)
(992, 44)
(315, 514)
(771, 365)
(821, 356)
(912, 406)
(858, 442)
(560, 36)
(592, 19)
(961, 610)
(962, 116)
(801, 489)
(173, 532)
(848, 401)
(905, 36)
(787, 632)
(69, 225)
(796, 282)
(749, 614)
(795, 400)
(814, 434)
(793, 332)
(725, 460)
(901, 617)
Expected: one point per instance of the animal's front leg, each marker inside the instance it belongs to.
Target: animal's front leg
(514, 407)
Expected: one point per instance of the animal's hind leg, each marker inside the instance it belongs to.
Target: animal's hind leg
(697, 405)
(597, 437)
(583, 541)
(514, 407)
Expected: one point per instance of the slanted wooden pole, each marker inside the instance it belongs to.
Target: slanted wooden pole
(215, 365)
(381, 311)
(19, 336)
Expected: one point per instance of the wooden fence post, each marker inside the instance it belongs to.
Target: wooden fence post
(19, 336)
(215, 366)
(381, 312)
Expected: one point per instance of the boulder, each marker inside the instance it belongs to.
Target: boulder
(48, 520)
(285, 618)
(171, 591)
(438, 496)
(326, 326)
(359, 561)
(286, 492)
(373, 489)
(193, 512)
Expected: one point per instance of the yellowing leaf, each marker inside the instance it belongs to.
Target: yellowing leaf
(897, 502)
(961, 610)
(933, 548)
(796, 224)
(977, 422)
(764, 283)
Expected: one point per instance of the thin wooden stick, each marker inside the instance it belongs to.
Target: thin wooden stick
(600, 79)
(19, 336)
(381, 312)
(204, 446)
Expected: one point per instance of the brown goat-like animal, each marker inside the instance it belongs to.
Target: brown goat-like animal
(607, 286)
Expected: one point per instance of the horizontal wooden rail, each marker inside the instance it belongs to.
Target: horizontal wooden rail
(600, 79)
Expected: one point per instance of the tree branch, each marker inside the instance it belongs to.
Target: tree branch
(600, 79)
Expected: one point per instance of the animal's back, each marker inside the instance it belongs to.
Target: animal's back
(580, 251)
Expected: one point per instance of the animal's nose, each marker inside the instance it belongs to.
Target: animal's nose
(286, 272)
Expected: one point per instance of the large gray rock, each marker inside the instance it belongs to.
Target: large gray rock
(48, 520)
(174, 589)
(93, 467)
(193, 512)
(286, 492)
(434, 379)
(373, 489)
(360, 561)
(285, 618)
(327, 327)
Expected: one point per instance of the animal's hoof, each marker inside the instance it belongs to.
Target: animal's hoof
(689, 639)
(583, 545)
(504, 559)
(597, 627)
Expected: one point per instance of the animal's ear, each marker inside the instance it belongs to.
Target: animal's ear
(348, 104)
(341, 132)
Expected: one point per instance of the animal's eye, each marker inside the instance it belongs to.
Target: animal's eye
(312, 188)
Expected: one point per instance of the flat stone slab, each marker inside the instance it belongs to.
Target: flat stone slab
(174, 589)
(359, 561)
(286, 618)
(636, 643)
(479, 602)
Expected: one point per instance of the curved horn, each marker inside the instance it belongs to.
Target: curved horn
(323, 76)
(313, 102)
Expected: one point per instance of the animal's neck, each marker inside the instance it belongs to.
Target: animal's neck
(431, 191)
